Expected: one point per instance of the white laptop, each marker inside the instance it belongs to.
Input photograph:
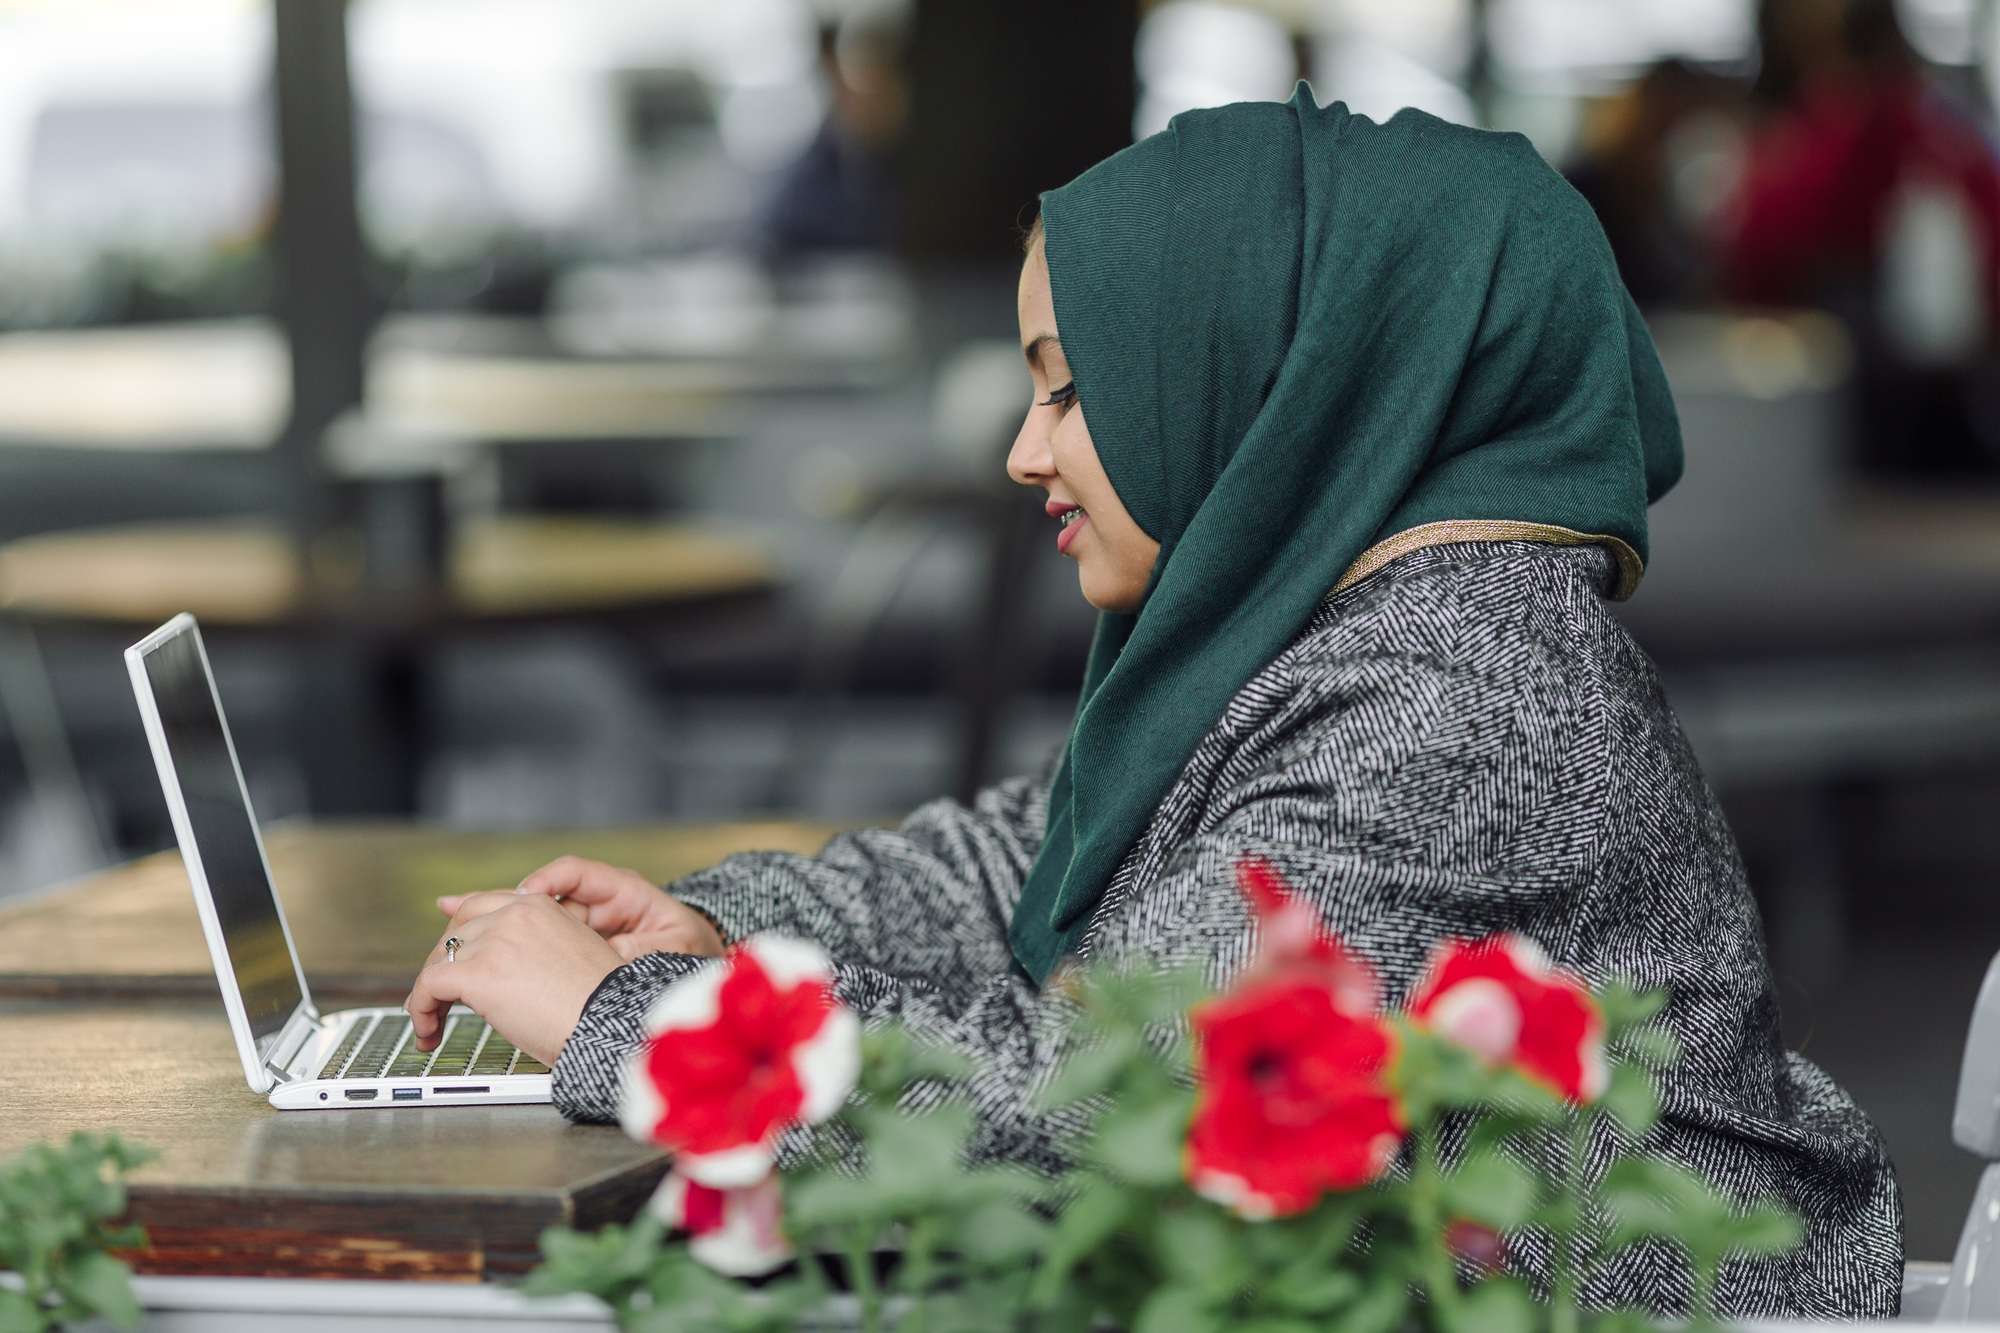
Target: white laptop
(301, 1058)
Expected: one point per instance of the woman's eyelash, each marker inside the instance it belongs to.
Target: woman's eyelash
(1062, 397)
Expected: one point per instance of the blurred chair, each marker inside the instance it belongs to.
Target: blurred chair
(1816, 637)
(1972, 1290)
(977, 402)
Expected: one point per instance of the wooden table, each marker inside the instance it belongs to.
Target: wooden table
(364, 749)
(108, 1020)
(247, 573)
(227, 385)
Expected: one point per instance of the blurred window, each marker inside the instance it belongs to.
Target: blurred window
(135, 159)
(1942, 31)
(1601, 42)
(1379, 56)
(1192, 53)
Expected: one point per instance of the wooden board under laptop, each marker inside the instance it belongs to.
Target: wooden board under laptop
(429, 1193)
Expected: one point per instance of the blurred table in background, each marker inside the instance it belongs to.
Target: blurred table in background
(225, 385)
(109, 1021)
(368, 718)
(248, 573)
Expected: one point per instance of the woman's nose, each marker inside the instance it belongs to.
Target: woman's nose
(1031, 462)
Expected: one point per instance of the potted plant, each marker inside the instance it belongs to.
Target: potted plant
(1284, 1155)
(56, 1209)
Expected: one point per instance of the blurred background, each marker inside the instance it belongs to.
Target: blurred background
(584, 412)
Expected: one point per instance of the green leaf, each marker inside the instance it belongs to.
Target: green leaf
(1625, 1009)
(830, 1200)
(1313, 1290)
(1177, 1310)
(1143, 1144)
(1089, 1220)
(103, 1286)
(1493, 1190)
(1499, 1305)
(18, 1314)
(1632, 1100)
(1196, 1246)
(1381, 1309)
(1654, 1046)
(1000, 1233)
(1093, 1071)
(916, 1163)
(1765, 1229)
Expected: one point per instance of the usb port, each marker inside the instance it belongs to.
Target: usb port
(361, 1094)
(408, 1094)
(462, 1088)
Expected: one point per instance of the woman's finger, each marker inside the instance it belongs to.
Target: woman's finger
(475, 905)
(437, 988)
(469, 923)
(570, 877)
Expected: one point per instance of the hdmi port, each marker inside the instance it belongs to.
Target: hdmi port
(361, 1094)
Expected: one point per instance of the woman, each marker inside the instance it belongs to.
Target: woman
(1351, 429)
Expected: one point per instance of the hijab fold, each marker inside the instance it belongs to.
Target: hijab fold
(1295, 334)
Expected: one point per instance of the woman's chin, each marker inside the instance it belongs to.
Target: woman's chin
(1107, 594)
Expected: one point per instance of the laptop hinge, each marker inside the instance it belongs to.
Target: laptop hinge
(288, 1041)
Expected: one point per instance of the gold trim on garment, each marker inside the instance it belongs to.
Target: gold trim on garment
(1451, 532)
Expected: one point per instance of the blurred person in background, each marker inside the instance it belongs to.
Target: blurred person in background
(841, 194)
(1868, 193)
(1654, 164)
(1351, 430)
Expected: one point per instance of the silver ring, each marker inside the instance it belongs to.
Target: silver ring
(451, 947)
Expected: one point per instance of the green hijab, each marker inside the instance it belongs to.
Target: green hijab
(1295, 334)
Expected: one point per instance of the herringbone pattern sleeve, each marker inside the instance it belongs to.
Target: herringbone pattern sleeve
(1464, 742)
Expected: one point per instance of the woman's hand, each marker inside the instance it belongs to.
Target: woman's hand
(625, 907)
(523, 964)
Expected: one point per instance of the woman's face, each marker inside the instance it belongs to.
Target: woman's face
(1114, 556)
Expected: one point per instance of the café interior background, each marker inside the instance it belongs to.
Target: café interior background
(786, 233)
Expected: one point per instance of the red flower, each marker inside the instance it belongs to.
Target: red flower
(1290, 1063)
(732, 1231)
(1293, 941)
(1501, 1000)
(739, 1052)
(1478, 1245)
(1292, 1101)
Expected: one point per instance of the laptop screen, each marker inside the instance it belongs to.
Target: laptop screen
(225, 835)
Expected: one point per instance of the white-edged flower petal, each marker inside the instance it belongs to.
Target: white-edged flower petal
(1596, 1068)
(749, 1242)
(1480, 1015)
(1527, 955)
(828, 1064)
(730, 1169)
(669, 1202)
(692, 1002)
(1234, 1193)
(787, 961)
(639, 1104)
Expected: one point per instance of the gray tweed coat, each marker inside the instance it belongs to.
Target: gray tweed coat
(1463, 742)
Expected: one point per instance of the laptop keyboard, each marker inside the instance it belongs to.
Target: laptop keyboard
(381, 1048)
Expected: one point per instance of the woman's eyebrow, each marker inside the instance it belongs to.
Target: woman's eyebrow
(1033, 351)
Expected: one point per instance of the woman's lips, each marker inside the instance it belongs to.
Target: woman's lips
(1060, 511)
